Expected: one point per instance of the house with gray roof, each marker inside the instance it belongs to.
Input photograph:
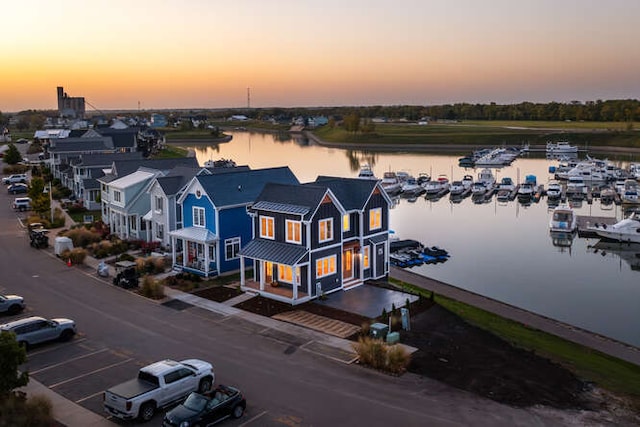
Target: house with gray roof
(215, 224)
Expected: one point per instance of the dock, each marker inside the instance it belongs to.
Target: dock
(584, 222)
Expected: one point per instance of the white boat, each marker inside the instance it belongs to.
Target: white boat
(561, 147)
(485, 176)
(390, 183)
(506, 183)
(627, 230)
(634, 171)
(563, 219)
(478, 188)
(456, 188)
(525, 191)
(438, 185)
(366, 172)
(554, 190)
(467, 181)
(410, 187)
(607, 195)
(576, 186)
(630, 194)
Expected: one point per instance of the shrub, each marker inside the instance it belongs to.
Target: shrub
(82, 237)
(14, 169)
(119, 247)
(76, 255)
(375, 353)
(126, 257)
(152, 288)
(17, 410)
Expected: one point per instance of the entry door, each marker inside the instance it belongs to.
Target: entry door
(268, 272)
(347, 264)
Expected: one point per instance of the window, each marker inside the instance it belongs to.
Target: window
(285, 274)
(133, 222)
(326, 229)
(160, 231)
(231, 248)
(293, 232)
(325, 266)
(117, 196)
(159, 204)
(346, 222)
(365, 256)
(266, 227)
(375, 219)
(198, 217)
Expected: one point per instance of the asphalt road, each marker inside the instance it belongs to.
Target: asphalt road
(284, 380)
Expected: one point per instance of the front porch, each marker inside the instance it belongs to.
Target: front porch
(283, 292)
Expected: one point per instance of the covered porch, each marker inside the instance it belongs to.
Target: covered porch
(280, 271)
(194, 250)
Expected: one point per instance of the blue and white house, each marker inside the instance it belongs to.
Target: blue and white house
(215, 224)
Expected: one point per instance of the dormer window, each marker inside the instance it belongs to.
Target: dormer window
(326, 230)
(198, 217)
(375, 219)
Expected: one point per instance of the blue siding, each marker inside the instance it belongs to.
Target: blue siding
(187, 211)
(233, 223)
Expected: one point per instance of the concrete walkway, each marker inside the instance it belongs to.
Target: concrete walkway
(571, 333)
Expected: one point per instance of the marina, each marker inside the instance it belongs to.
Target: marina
(496, 246)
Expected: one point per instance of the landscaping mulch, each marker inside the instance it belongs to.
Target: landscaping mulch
(218, 293)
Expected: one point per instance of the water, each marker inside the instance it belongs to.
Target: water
(500, 250)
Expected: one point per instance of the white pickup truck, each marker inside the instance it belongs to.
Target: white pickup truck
(158, 385)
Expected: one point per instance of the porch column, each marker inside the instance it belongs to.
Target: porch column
(242, 271)
(295, 283)
(260, 266)
(206, 259)
(173, 250)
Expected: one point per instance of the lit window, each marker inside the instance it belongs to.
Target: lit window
(231, 248)
(293, 232)
(325, 266)
(365, 257)
(198, 217)
(375, 219)
(266, 227)
(285, 274)
(326, 230)
(346, 222)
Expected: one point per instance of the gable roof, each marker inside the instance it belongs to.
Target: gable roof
(353, 193)
(172, 184)
(107, 159)
(122, 138)
(125, 167)
(131, 179)
(65, 145)
(288, 198)
(239, 187)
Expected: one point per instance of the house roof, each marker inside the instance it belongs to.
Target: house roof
(195, 234)
(66, 145)
(353, 193)
(242, 186)
(172, 184)
(132, 178)
(125, 167)
(290, 196)
(90, 184)
(121, 137)
(281, 208)
(107, 159)
(277, 252)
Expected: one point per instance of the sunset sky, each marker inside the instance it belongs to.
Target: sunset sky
(206, 53)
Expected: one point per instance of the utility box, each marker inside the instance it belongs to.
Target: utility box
(379, 330)
(393, 337)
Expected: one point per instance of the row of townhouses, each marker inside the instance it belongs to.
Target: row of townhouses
(299, 241)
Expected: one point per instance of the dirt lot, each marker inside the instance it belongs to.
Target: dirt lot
(461, 355)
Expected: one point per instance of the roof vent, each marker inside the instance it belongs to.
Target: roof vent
(239, 187)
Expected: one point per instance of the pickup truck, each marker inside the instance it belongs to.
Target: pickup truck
(157, 386)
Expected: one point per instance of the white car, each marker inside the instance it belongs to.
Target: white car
(13, 179)
(11, 304)
(35, 330)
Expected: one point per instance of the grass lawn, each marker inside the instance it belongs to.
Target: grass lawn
(608, 372)
(172, 152)
(79, 216)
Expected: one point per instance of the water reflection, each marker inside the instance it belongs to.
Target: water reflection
(627, 252)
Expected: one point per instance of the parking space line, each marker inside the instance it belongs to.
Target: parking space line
(122, 362)
(46, 350)
(46, 368)
(253, 419)
(89, 397)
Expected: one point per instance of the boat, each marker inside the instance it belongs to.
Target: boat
(467, 181)
(366, 172)
(410, 187)
(478, 188)
(423, 178)
(630, 194)
(221, 163)
(390, 183)
(634, 171)
(576, 186)
(554, 190)
(485, 176)
(457, 188)
(607, 195)
(466, 162)
(436, 186)
(506, 183)
(627, 230)
(562, 239)
(528, 188)
(561, 147)
(563, 218)
(497, 157)
(503, 195)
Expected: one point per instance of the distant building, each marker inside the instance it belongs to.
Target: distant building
(158, 121)
(69, 106)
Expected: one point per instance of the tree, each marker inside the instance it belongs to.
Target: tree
(12, 355)
(12, 155)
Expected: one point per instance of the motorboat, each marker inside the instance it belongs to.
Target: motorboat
(410, 187)
(630, 194)
(485, 176)
(576, 186)
(467, 181)
(503, 195)
(554, 190)
(423, 178)
(527, 189)
(456, 188)
(626, 230)
(478, 188)
(366, 172)
(506, 183)
(607, 195)
(634, 171)
(563, 218)
(438, 185)
(390, 183)
(561, 147)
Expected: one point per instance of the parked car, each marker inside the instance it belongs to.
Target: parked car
(11, 304)
(18, 188)
(158, 385)
(22, 204)
(207, 409)
(35, 330)
(12, 179)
